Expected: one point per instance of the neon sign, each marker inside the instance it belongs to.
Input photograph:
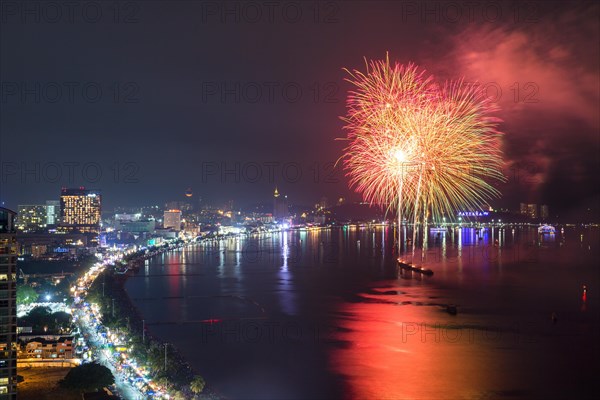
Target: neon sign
(473, 214)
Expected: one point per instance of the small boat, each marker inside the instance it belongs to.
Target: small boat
(546, 229)
(451, 309)
(410, 267)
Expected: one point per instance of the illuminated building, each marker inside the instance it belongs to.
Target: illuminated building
(280, 207)
(191, 228)
(52, 212)
(523, 208)
(119, 218)
(38, 250)
(80, 210)
(530, 210)
(138, 226)
(31, 218)
(8, 306)
(49, 347)
(265, 218)
(172, 219)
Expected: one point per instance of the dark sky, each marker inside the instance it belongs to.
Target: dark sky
(144, 99)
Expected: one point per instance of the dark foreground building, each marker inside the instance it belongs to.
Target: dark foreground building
(8, 305)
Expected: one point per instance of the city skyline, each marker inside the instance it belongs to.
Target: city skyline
(49, 214)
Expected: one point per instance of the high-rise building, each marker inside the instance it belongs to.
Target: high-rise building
(80, 210)
(280, 206)
(52, 212)
(532, 211)
(523, 208)
(172, 219)
(8, 306)
(544, 212)
(31, 218)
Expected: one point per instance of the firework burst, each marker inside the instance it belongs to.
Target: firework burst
(426, 149)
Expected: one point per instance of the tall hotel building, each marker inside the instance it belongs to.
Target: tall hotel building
(172, 219)
(80, 211)
(8, 305)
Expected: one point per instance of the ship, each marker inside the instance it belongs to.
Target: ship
(546, 229)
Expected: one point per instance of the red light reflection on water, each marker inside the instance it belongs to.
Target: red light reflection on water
(398, 352)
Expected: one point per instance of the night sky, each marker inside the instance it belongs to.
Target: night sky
(145, 99)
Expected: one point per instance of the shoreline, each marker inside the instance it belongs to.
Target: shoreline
(120, 315)
(136, 324)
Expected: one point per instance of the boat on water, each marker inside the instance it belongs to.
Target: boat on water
(410, 267)
(438, 229)
(546, 229)
(424, 271)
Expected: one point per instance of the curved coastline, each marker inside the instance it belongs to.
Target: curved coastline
(101, 296)
(135, 321)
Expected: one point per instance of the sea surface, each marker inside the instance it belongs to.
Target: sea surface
(327, 314)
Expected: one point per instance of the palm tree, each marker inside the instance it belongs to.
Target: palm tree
(197, 384)
(163, 382)
(179, 396)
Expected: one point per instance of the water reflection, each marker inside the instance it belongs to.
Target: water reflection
(404, 345)
(287, 297)
(395, 354)
(389, 332)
